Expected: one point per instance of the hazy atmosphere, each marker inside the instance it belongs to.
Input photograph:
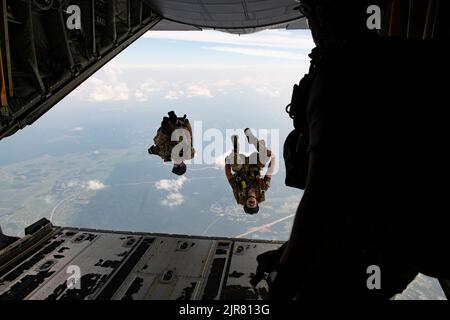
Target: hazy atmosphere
(85, 163)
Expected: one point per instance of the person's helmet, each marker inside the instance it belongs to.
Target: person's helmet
(249, 210)
(179, 169)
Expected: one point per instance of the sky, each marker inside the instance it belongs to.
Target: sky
(221, 81)
(174, 65)
(183, 70)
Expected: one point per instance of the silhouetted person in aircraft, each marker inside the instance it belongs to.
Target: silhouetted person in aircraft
(173, 142)
(371, 199)
(243, 173)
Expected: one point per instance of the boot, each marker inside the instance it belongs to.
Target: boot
(250, 136)
(259, 144)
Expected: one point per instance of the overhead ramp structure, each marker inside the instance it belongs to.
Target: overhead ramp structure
(232, 16)
(43, 59)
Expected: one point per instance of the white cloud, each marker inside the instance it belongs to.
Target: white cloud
(279, 54)
(198, 91)
(268, 81)
(148, 88)
(105, 85)
(199, 78)
(222, 84)
(76, 129)
(268, 91)
(94, 185)
(259, 84)
(268, 38)
(174, 94)
(171, 91)
(101, 91)
(173, 199)
(83, 185)
(173, 185)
